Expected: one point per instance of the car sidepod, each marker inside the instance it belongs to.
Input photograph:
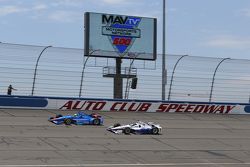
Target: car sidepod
(82, 120)
(142, 130)
(145, 128)
(88, 120)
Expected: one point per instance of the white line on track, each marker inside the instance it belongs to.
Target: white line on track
(139, 164)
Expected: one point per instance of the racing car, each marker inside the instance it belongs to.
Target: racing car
(136, 128)
(79, 118)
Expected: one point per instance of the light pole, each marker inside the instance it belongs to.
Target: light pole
(164, 72)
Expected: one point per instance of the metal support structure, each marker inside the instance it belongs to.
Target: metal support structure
(37, 61)
(171, 81)
(212, 86)
(130, 66)
(83, 69)
(118, 80)
(127, 85)
(164, 71)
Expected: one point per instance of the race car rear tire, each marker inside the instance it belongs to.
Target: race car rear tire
(117, 124)
(155, 131)
(126, 131)
(96, 122)
(67, 121)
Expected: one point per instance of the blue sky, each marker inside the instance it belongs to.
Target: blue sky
(208, 28)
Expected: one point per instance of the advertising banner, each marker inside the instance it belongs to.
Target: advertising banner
(114, 105)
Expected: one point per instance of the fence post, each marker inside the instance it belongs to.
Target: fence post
(37, 61)
(84, 65)
(83, 69)
(212, 86)
(171, 81)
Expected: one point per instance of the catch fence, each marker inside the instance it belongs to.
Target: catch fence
(55, 71)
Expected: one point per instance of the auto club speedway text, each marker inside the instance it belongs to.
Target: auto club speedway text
(146, 107)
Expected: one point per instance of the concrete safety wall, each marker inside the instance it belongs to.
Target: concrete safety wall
(116, 105)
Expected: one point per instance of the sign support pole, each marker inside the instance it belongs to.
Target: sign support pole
(118, 80)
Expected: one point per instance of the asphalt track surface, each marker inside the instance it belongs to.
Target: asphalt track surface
(192, 140)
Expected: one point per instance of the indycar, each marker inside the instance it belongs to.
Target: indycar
(136, 128)
(79, 118)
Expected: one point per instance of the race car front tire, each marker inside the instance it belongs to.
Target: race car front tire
(126, 131)
(155, 131)
(96, 122)
(67, 121)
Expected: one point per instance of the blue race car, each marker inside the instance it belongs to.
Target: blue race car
(79, 118)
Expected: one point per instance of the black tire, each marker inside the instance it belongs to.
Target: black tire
(67, 121)
(117, 124)
(155, 131)
(96, 122)
(126, 131)
(58, 115)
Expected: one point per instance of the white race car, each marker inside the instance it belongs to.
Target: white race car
(137, 128)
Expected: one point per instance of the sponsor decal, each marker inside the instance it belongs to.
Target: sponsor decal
(147, 107)
(83, 105)
(196, 108)
(121, 31)
(247, 109)
(134, 107)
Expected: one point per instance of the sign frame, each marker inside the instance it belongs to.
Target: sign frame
(114, 54)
